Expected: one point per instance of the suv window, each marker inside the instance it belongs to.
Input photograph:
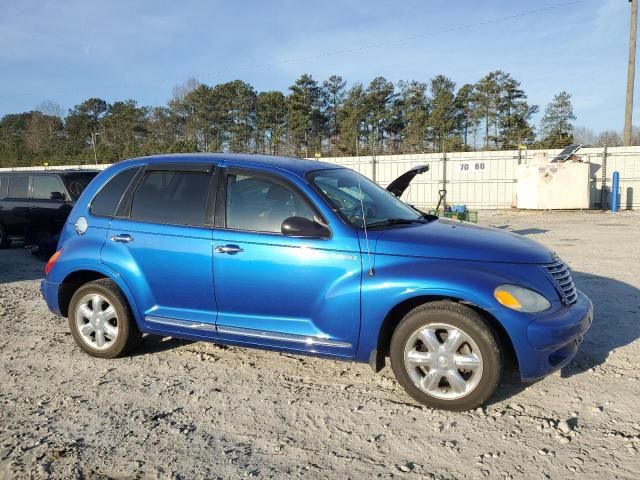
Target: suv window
(258, 203)
(18, 186)
(172, 197)
(104, 204)
(77, 182)
(43, 185)
(3, 187)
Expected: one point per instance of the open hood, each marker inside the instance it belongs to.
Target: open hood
(400, 184)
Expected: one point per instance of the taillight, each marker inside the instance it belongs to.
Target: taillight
(52, 261)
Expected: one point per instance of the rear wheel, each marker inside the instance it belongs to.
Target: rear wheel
(100, 320)
(446, 356)
(4, 238)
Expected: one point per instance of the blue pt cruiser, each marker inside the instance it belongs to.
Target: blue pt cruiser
(308, 257)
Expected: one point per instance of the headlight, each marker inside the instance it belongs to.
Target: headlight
(521, 299)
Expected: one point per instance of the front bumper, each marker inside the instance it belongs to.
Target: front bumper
(553, 339)
(49, 292)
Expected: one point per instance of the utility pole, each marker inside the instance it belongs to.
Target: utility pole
(631, 73)
(93, 142)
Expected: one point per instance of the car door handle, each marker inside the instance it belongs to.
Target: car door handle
(122, 238)
(230, 249)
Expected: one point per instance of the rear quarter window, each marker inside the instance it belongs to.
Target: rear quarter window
(106, 201)
(77, 182)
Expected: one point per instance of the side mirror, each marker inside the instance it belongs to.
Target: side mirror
(57, 196)
(300, 227)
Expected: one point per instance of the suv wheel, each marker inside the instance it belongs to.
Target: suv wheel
(4, 238)
(446, 356)
(101, 321)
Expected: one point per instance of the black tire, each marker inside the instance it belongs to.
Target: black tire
(469, 322)
(128, 336)
(4, 237)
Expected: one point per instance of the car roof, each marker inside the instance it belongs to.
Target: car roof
(297, 166)
(40, 172)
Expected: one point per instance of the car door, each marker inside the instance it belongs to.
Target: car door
(49, 205)
(159, 242)
(15, 206)
(275, 290)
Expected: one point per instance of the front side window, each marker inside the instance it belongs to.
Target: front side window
(18, 186)
(172, 197)
(3, 187)
(356, 198)
(42, 186)
(106, 201)
(259, 203)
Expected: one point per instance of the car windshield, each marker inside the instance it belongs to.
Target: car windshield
(77, 182)
(349, 193)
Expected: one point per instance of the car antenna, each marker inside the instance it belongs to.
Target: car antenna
(364, 226)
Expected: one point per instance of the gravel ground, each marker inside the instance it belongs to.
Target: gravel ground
(181, 409)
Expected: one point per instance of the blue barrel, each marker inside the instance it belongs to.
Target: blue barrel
(615, 197)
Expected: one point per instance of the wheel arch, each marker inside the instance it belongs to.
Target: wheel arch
(398, 312)
(74, 280)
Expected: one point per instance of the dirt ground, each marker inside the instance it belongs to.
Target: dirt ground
(179, 409)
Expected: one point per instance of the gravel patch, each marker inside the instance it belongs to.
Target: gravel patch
(178, 409)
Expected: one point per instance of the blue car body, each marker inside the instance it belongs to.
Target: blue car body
(323, 296)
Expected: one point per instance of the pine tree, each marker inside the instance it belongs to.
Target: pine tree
(556, 127)
(271, 121)
(413, 98)
(442, 112)
(306, 119)
(378, 100)
(333, 92)
(351, 119)
(466, 113)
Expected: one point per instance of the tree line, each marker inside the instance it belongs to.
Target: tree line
(313, 118)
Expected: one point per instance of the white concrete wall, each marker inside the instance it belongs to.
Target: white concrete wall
(493, 183)
(481, 180)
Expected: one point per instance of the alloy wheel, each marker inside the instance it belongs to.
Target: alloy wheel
(97, 321)
(443, 361)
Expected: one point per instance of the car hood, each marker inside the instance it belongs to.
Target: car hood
(459, 241)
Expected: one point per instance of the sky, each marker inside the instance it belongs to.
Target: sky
(68, 51)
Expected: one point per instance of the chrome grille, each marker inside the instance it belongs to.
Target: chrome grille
(563, 281)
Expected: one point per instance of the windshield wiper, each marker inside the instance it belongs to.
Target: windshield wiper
(396, 221)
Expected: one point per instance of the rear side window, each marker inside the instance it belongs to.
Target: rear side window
(172, 197)
(106, 201)
(18, 186)
(42, 186)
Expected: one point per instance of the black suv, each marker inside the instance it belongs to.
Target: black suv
(35, 204)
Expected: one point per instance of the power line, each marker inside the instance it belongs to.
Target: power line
(400, 40)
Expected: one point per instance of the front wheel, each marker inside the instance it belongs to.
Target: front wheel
(446, 356)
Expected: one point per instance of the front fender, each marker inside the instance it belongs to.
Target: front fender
(398, 279)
